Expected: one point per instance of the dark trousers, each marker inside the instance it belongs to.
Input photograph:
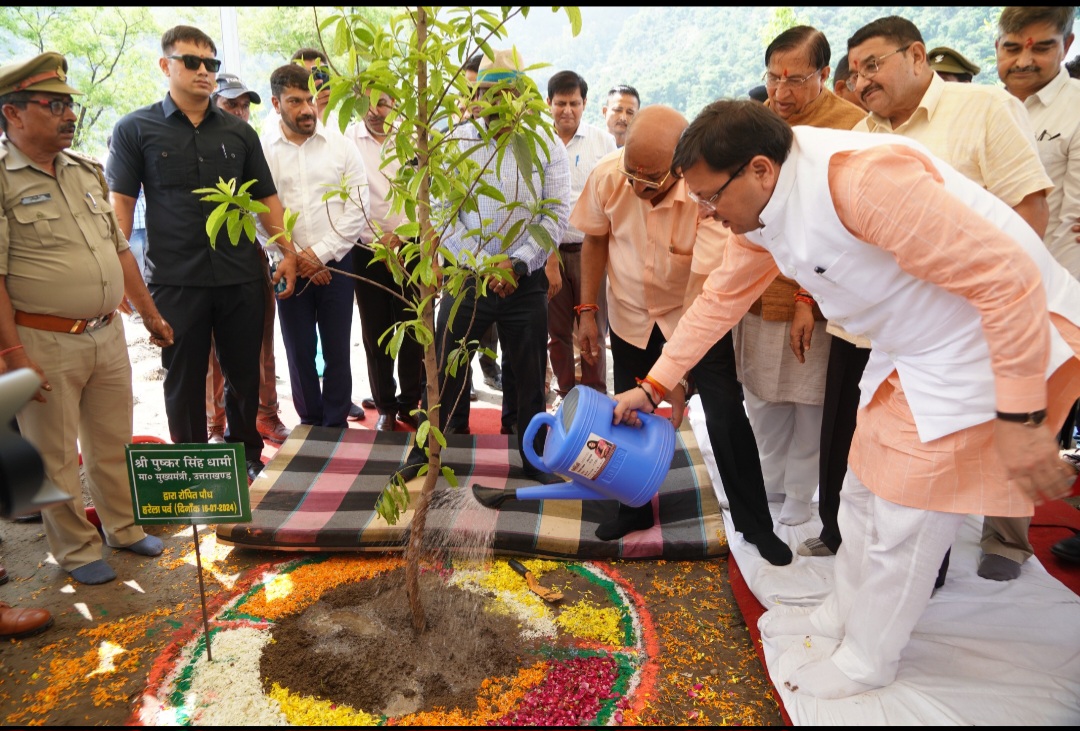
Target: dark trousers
(522, 327)
(379, 311)
(840, 408)
(732, 438)
(234, 316)
(730, 434)
(329, 308)
(1068, 429)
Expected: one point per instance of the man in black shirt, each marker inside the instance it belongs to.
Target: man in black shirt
(171, 148)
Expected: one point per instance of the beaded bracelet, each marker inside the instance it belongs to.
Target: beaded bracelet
(646, 392)
(12, 349)
(586, 308)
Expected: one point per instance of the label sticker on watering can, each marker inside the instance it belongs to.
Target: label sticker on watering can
(594, 457)
(188, 483)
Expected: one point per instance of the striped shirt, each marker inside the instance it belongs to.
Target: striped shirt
(493, 217)
(140, 212)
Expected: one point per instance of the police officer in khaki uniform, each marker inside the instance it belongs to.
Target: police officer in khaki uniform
(951, 65)
(64, 269)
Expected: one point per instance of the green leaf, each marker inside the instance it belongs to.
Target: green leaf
(574, 14)
(449, 475)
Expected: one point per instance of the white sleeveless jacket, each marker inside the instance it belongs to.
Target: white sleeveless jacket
(931, 337)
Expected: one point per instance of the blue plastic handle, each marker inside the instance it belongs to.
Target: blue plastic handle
(541, 419)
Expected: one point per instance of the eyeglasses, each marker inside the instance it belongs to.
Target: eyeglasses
(709, 204)
(192, 62)
(870, 67)
(647, 184)
(792, 82)
(57, 106)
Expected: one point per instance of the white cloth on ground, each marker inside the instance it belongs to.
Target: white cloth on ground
(959, 667)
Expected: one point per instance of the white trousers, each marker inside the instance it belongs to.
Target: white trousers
(789, 440)
(884, 576)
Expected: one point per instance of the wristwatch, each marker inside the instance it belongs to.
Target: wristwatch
(521, 269)
(1034, 418)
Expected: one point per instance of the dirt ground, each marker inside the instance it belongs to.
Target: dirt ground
(93, 665)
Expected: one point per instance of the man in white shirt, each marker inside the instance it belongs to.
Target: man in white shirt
(1031, 45)
(379, 308)
(308, 160)
(585, 146)
(622, 104)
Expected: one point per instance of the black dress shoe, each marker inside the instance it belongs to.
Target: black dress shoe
(254, 469)
(369, 403)
(408, 420)
(1067, 549)
(385, 422)
(356, 413)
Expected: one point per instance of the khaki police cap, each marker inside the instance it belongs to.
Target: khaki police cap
(949, 61)
(47, 72)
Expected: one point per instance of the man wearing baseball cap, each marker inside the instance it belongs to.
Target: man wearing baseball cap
(65, 267)
(234, 97)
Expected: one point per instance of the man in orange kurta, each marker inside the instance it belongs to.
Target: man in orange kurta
(975, 342)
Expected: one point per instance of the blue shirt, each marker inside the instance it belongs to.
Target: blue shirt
(491, 216)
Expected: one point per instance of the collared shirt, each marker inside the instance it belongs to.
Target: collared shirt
(588, 146)
(59, 238)
(304, 173)
(492, 217)
(1055, 118)
(981, 131)
(159, 149)
(651, 249)
(373, 153)
(960, 471)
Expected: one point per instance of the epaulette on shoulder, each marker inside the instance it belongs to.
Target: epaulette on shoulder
(94, 165)
(85, 159)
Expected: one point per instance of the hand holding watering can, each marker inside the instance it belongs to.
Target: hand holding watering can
(645, 397)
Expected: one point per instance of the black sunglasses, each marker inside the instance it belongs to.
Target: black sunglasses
(192, 62)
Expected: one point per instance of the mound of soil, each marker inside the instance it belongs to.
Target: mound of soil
(356, 646)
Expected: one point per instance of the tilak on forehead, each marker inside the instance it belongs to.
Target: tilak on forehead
(1030, 43)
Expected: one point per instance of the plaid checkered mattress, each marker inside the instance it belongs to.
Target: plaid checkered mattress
(319, 493)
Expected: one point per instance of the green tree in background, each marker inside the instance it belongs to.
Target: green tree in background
(100, 45)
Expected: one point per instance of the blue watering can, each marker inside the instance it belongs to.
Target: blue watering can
(601, 460)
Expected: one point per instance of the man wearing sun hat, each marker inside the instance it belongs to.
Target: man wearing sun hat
(951, 65)
(65, 267)
(518, 305)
